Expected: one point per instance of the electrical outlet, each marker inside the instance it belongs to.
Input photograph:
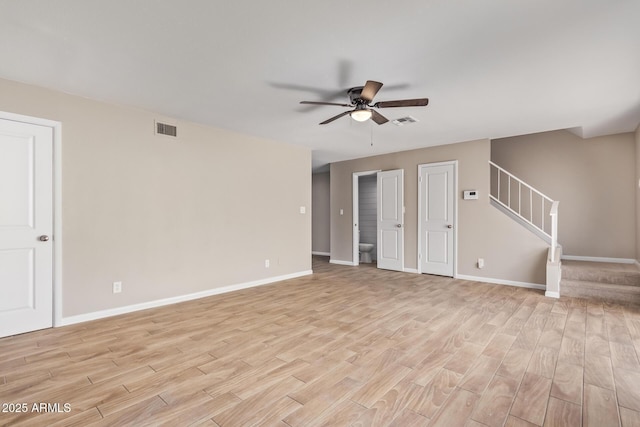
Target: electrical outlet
(480, 262)
(117, 287)
(266, 263)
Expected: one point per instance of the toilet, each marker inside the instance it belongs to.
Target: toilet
(365, 252)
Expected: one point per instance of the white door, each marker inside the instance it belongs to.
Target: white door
(26, 225)
(391, 220)
(437, 218)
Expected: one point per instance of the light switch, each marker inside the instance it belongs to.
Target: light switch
(303, 209)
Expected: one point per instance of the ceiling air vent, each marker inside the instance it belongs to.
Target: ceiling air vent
(166, 129)
(404, 120)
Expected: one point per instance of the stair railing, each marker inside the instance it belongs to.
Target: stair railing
(527, 203)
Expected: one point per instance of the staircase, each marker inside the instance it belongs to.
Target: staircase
(604, 281)
(535, 211)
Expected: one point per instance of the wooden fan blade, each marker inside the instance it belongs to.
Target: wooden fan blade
(369, 90)
(378, 118)
(325, 103)
(420, 102)
(335, 117)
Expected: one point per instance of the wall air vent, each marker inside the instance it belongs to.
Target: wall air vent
(404, 120)
(166, 129)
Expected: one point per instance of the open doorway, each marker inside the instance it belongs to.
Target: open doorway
(365, 205)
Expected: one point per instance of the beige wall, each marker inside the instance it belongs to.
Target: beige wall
(594, 180)
(320, 221)
(167, 217)
(637, 191)
(510, 251)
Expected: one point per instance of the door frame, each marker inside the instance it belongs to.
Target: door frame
(355, 214)
(454, 163)
(57, 205)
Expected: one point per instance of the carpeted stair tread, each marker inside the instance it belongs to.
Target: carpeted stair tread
(602, 291)
(602, 272)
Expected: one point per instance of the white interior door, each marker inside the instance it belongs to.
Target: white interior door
(391, 220)
(437, 218)
(26, 225)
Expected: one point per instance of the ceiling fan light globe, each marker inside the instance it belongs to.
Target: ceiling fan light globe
(361, 115)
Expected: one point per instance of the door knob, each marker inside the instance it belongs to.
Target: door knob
(44, 238)
(399, 225)
(449, 226)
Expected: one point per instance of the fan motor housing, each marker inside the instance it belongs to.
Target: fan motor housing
(355, 94)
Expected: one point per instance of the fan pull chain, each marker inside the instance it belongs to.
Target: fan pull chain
(371, 127)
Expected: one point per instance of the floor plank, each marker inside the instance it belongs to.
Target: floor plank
(567, 383)
(456, 410)
(599, 407)
(531, 401)
(494, 405)
(561, 413)
(629, 418)
(628, 388)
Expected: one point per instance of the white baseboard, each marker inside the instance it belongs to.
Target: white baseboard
(501, 282)
(320, 253)
(174, 300)
(552, 294)
(339, 262)
(410, 270)
(598, 259)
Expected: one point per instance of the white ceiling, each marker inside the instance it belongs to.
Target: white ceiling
(490, 68)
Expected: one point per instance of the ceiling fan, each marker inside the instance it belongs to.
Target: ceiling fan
(361, 98)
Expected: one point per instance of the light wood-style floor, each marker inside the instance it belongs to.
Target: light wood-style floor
(345, 346)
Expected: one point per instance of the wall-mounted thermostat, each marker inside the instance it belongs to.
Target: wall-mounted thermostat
(470, 195)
